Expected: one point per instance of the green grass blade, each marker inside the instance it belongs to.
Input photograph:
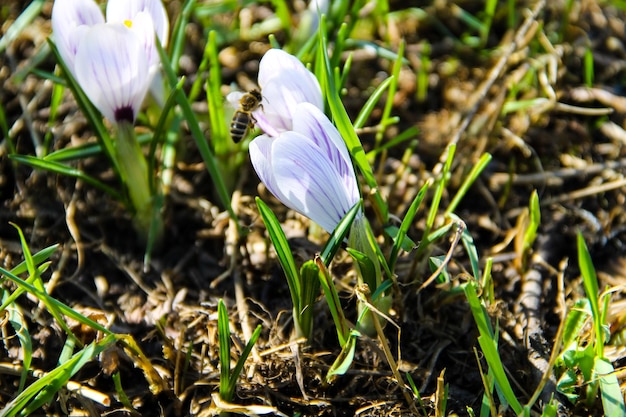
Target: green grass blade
(22, 22)
(344, 125)
(310, 289)
(62, 169)
(16, 318)
(332, 299)
(610, 392)
(179, 36)
(192, 121)
(242, 360)
(45, 388)
(223, 331)
(371, 102)
(339, 235)
(590, 282)
(345, 358)
(220, 136)
(407, 221)
(283, 251)
(487, 341)
(469, 180)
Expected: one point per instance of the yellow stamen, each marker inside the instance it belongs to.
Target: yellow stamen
(128, 23)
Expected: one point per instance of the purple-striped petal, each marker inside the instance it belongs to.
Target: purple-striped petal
(112, 69)
(70, 19)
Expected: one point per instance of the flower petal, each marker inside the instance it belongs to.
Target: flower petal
(69, 20)
(112, 69)
(284, 83)
(314, 124)
(126, 10)
(308, 182)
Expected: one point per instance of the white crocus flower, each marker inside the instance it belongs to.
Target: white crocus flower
(284, 82)
(70, 20)
(308, 168)
(111, 65)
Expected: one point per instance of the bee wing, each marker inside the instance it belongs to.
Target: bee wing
(234, 97)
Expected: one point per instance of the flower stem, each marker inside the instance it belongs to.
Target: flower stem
(134, 173)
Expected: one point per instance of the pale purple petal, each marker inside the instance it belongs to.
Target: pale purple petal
(275, 63)
(70, 18)
(300, 175)
(260, 156)
(314, 124)
(122, 10)
(112, 69)
(284, 82)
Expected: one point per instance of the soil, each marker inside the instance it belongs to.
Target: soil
(567, 146)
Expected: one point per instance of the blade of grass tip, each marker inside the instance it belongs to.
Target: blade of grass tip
(590, 282)
(344, 125)
(338, 235)
(242, 360)
(370, 104)
(179, 35)
(62, 169)
(88, 110)
(283, 251)
(468, 182)
(207, 156)
(407, 221)
(39, 258)
(408, 134)
(22, 22)
(220, 136)
(223, 331)
(470, 247)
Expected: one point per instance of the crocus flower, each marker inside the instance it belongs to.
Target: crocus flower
(284, 82)
(71, 19)
(112, 68)
(308, 168)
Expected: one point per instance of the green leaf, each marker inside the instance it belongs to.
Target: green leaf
(332, 299)
(66, 170)
(344, 124)
(339, 235)
(610, 392)
(590, 282)
(345, 358)
(192, 122)
(310, 288)
(399, 240)
(223, 332)
(283, 251)
(241, 362)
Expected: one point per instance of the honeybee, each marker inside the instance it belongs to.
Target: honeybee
(243, 119)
